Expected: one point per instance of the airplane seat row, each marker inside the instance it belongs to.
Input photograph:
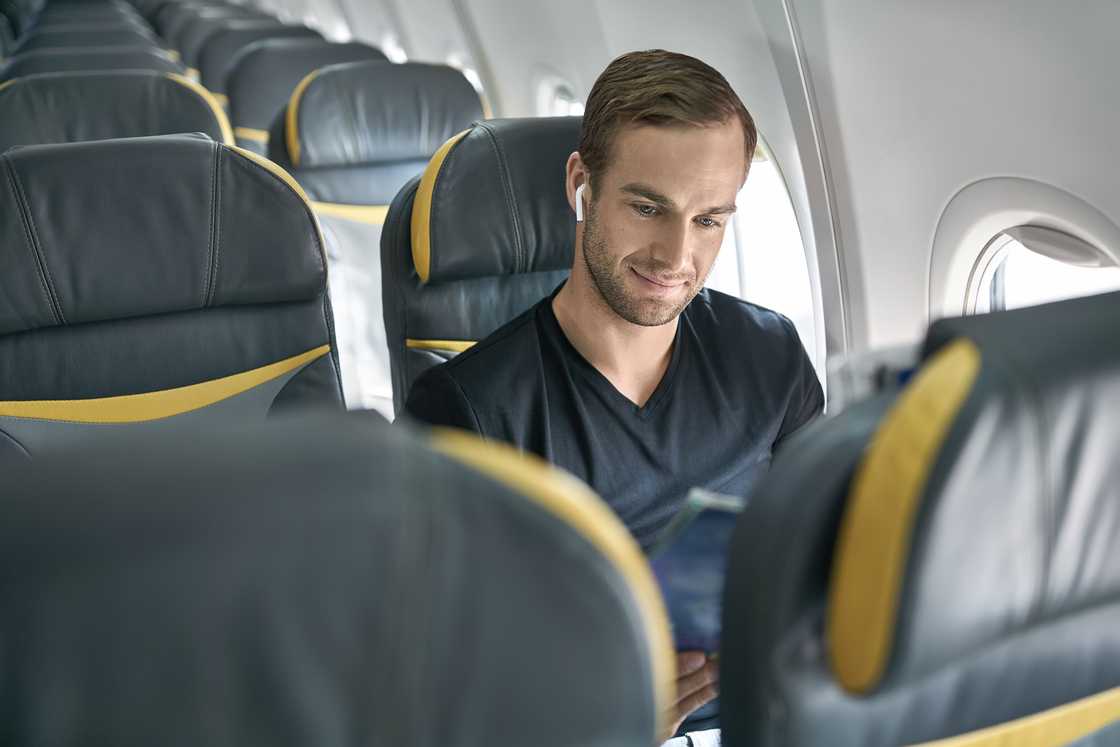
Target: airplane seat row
(322, 580)
(484, 234)
(133, 299)
(267, 72)
(76, 106)
(352, 135)
(954, 572)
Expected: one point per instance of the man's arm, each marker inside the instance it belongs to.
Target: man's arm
(806, 400)
(437, 399)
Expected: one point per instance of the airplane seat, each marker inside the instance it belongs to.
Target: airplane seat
(484, 234)
(218, 54)
(191, 31)
(71, 107)
(942, 567)
(266, 72)
(80, 59)
(150, 282)
(38, 40)
(7, 37)
(352, 135)
(434, 590)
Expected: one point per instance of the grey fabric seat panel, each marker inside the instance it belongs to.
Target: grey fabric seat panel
(148, 580)
(89, 58)
(121, 281)
(500, 240)
(218, 54)
(266, 73)
(76, 106)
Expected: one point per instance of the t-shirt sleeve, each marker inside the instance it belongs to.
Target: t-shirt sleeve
(806, 400)
(437, 399)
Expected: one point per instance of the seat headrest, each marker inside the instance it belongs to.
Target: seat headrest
(218, 53)
(75, 106)
(502, 210)
(375, 112)
(114, 229)
(268, 71)
(986, 504)
(85, 38)
(89, 58)
(196, 561)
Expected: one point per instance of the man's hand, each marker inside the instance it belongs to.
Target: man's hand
(697, 684)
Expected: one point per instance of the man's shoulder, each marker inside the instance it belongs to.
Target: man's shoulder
(485, 364)
(720, 316)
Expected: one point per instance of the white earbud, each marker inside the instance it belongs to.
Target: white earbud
(579, 203)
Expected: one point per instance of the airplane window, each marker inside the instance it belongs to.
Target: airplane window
(762, 259)
(1028, 266)
(392, 48)
(555, 99)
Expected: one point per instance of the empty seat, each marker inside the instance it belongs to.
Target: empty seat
(484, 234)
(321, 581)
(219, 54)
(192, 30)
(89, 58)
(352, 135)
(69, 107)
(266, 72)
(150, 280)
(38, 40)
(946, 564)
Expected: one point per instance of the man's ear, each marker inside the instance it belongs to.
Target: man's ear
(576, 176)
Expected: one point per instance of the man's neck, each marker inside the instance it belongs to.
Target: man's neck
(632, 357)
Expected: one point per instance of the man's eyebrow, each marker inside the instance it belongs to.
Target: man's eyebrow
(642, 190)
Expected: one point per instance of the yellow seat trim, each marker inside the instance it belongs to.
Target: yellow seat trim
(873, 545)
(457, 345)
(211, 101)
(1056, 727)
(249, 133)
(422, 209)
(221, 98)
(137, 408)
(374, 215)
(291, 117)
(192, 73)
(569, 500)
(174, 54)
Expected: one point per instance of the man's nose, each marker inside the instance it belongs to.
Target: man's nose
(671, 250)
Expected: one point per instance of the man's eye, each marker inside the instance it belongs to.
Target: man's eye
(708, 222)
(646, 211)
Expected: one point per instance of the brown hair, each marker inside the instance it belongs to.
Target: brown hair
(658, 88)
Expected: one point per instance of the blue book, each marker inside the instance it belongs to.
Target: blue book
(689, 559)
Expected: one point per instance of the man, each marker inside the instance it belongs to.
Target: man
(631, 375)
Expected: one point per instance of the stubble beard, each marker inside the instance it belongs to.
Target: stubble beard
(612, 284)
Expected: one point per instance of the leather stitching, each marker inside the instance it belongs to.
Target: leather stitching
(33, 244)
(208, 290)
(520, 261)
(216, 240)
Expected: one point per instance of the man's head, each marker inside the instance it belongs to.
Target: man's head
(664, 149)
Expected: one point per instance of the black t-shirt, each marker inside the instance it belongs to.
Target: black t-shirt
(737, 383)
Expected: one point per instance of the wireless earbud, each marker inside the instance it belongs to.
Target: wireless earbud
(579, 203)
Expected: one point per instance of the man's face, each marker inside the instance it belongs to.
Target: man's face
(656, 222)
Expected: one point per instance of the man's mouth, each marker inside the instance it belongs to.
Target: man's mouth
(666, 283)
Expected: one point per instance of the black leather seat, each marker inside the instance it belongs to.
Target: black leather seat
(149, 281)
(500, 240)
(946, 563)
(352, 135)
(265, 74)
(70, 107)
(191, 31)
(219, 53)
(321, 581)
(89, 58)
(66, 39)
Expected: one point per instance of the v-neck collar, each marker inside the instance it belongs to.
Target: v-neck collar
(596, 378)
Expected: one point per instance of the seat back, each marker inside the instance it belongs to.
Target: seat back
(434, 590)
(352, 135)
(89, 58)
(220, 51)
(193, 29)
(149, 281)
(70, 107)
(944, 565)
(483, 235)
(266, 73)
(66, 39)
